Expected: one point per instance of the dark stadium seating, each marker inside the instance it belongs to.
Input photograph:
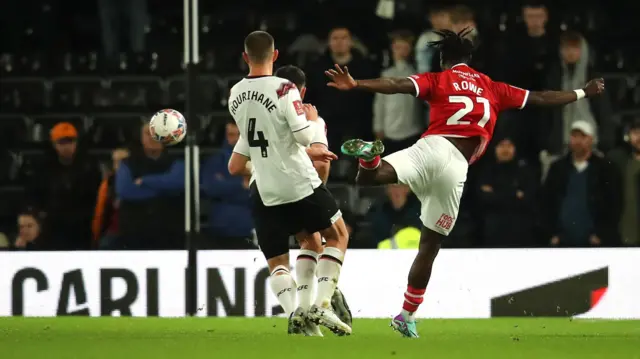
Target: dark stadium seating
(51, 73)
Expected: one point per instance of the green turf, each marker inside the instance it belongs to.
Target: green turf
(211, 338)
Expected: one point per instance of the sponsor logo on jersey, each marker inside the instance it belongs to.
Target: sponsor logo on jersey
(297, 104)
(285, 88)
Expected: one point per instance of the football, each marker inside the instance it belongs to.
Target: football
(168, 126)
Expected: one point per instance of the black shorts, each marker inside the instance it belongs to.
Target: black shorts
(275, 224)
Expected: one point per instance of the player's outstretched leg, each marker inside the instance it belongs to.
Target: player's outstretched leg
(328, 272)
(373, 170)
(419, 276)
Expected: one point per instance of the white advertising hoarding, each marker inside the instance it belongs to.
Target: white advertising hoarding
(482, 283)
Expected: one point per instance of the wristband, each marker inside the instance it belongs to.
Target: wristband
(580, 93)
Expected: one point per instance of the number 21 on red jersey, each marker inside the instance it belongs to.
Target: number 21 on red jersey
(468, 102)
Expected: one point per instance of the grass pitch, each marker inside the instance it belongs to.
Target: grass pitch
(248, 338)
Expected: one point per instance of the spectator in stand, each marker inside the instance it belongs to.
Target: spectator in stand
(426, 56)
(150, 188)
(105, 218)
(573, 72)
(116, 15)
(64, 186)
(397, 118)
(230, 223)
(399, 210)
(531, 51)
(505, 196)
(582, 195)
(30, 234)
(628, 161)
(347, 115)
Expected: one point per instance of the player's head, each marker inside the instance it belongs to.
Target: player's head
(295, 75)
(454, 48)
(259, 49)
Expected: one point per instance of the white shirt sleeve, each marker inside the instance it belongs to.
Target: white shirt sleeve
(320, 136)
(242, 147)
(291, 107)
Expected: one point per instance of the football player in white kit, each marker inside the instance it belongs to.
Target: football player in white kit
(288, 197)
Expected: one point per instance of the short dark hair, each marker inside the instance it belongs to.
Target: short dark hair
(258, 46)
(293, 74)
(454, 47)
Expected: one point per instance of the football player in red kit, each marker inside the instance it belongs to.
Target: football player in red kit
(464, 107)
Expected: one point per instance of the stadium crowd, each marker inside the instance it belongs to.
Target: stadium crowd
(75, 174)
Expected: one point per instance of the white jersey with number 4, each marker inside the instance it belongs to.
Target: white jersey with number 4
(268, 110)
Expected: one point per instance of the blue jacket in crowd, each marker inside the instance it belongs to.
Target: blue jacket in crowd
(230, 213)
(153, 185)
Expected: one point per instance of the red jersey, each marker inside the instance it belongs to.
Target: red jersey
(465, 103)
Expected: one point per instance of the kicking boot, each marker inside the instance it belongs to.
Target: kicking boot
(407, 329)
(363, 149)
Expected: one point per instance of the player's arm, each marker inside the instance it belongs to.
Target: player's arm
(318, 151)
(293, 111)
(322, 167)
(239, 162)
(559, 98)
(342, 80)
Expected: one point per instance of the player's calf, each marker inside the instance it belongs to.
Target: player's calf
(306, 263)
(282, 283)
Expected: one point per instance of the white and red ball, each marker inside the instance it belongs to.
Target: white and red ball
(168, 126)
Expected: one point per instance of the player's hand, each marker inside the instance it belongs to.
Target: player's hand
(310, 112)
(340, 78)
(486, 188)
(321, 154)
(555, 241)
(594, 87)
(595, 240)
(138, 182)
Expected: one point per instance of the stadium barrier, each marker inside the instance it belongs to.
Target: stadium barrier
(481, 283)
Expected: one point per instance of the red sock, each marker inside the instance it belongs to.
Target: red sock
(413, 297)
(370, 165)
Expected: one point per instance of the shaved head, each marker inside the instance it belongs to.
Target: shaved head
(258, 46)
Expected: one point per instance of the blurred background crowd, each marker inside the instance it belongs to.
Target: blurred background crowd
(79, 171)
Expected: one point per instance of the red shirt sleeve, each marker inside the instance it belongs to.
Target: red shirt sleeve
(510, 96)
(424, 84)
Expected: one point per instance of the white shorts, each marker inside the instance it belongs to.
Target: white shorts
(436, 171)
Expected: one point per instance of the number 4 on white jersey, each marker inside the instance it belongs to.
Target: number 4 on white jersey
(468, 107)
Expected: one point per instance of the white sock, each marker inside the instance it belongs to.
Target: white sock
(328, 271)
(284, 288)
(306, 277)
